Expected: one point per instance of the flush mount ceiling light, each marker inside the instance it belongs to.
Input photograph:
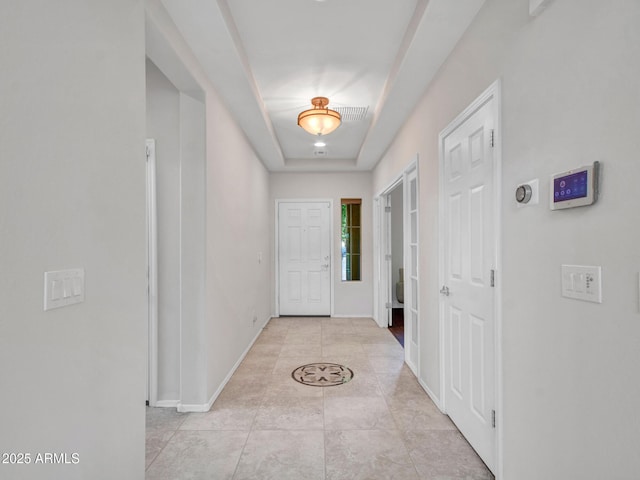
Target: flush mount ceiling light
(319, 120)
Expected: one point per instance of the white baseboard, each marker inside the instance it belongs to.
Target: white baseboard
(167, 403)
(432, 395)
(190, 408)
(363, 315)
(263, 325)
(381, 322)
(185, 408)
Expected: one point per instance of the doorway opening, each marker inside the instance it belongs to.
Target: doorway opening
(396, 245)
(397, 242)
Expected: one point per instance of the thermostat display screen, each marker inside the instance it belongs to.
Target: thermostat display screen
(570, 187)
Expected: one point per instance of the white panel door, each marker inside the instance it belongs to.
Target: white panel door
(304, 256)
(468, 295)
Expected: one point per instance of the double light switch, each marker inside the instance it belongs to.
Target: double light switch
(63, 287)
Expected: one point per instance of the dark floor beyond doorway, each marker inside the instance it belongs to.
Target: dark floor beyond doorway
(397, 328)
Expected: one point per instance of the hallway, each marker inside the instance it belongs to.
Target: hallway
(264, 425)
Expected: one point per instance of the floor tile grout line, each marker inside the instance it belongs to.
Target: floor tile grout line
(255, 416)
(324, 433)
(399, 429)
(175, 430)
(246, 440)
(162, 449)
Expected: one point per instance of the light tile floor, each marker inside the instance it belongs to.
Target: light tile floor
(264, 425)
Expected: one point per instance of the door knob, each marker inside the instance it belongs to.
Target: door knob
(444, 290)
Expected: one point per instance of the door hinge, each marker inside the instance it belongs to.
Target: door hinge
(492, 138)
(493, 278)
(388, 305)
(493, 418)
(387, 209)
(147, 151)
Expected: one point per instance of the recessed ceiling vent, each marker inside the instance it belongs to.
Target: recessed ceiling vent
(352, 114)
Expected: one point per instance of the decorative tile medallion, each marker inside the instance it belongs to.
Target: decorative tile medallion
(322, 374)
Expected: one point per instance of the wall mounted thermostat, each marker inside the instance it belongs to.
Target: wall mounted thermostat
(527, 193)
(523, 193)
(575, 188)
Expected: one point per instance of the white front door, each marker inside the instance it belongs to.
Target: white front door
(468, 293)
(304, 257)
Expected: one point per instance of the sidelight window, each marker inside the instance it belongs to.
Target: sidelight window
(351, 230)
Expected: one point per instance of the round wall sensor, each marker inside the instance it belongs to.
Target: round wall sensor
(523, 193)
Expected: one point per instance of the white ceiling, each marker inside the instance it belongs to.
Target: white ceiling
(268, 58)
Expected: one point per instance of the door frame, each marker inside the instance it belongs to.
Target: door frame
(493, 92)
(382, 235)
(383, 279)
(152, 273)
(276, 254)
(387, 248)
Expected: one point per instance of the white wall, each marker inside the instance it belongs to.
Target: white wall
(570, 97)
(351, 298)
(193, 205)
(177, 122)
(163, 125)
(72, 194)
(236, 286)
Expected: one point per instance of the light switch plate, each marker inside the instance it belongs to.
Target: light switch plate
(63, 287)
(582, 282)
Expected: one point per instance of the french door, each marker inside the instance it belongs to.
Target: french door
(411, 260)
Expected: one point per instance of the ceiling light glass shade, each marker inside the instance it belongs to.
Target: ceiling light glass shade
(319, 120)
